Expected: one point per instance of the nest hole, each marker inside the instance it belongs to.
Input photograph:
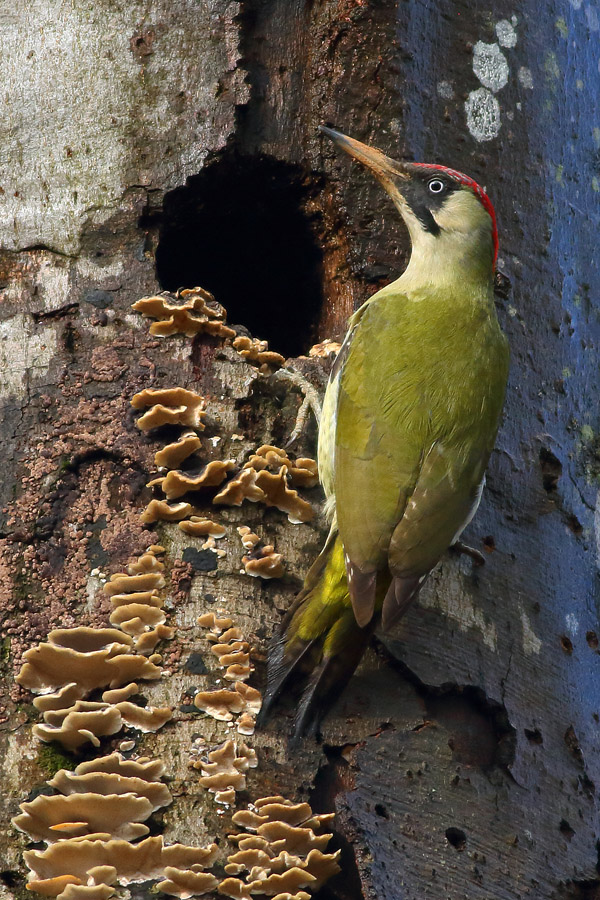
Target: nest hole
(456, 838)
(240, 230)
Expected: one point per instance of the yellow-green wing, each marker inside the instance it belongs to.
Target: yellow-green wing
(381, 430)
(417, 414)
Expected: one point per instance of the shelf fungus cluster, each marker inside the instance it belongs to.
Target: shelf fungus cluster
(137, 603)
(223, 771)
(89, 825)
(230, 648)
(179, 406)
(260, 560)
(74, 663)
(324, 349)
(270, 477)
(281, 852)
(190, 311)
(257, 353)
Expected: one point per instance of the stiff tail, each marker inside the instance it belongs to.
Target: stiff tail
(319, 641)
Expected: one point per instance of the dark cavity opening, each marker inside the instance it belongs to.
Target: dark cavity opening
(239, 230)
(456, 837)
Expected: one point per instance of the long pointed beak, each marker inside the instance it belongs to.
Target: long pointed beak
(384, 168)
(387, 171)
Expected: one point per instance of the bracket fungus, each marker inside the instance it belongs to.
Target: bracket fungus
(86, 657)
(303, 472)
(198, 527)
(177, 483)
(172, 455)
(232, 651)
(89, 826)
(50, 818)
(222, 704)
(169, 406)
(163, 511)
(284, 854)
(233, 654)
(190, 311)
(225, 770)
(325, 348)
(262, 561)
(188, 883)
(137, 604)
(71, 861)
(73, 662)
(268, 488)
(216, 622)
(257, 353)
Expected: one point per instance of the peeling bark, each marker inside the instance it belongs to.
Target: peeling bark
(462, 760)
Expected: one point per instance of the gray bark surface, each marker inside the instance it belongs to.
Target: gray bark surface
(462, 761)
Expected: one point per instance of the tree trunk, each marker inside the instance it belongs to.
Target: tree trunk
(165, 145)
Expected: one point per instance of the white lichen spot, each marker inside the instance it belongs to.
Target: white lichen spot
(572, 624)
(458, 606)
(483, 115)
(591, 14)
(490, 66)
(525, 77)
(531, 642)
(597, 528)
(507, 36)
(26, 351)
(576, 4)
(445, 90)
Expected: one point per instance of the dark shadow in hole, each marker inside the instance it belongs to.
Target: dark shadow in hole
(456, 837)
(239, 230)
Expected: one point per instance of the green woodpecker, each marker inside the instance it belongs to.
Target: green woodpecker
(409, 420)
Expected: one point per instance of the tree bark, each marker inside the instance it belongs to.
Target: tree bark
(163, 145)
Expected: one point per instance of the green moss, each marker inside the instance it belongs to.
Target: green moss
(64, 464)
(51, 758)
(561, 27)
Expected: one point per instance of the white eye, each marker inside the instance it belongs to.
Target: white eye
(436, 186)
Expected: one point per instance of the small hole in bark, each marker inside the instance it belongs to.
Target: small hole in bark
(567, 644)
(574, 524)
(489, 543)
(457, 838)
(566, 829)
(534, 735)
(380, 810)
(239, 230)
(592, 639)
(573, 746)
(551, 469)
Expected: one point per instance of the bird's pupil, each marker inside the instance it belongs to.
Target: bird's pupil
(436, 186)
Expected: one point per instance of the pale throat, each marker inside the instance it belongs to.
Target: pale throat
(461, 253)
(450, 258)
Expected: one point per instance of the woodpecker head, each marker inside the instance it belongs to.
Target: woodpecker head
(448, 214)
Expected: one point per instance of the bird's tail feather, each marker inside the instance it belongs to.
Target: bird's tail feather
(319, 640)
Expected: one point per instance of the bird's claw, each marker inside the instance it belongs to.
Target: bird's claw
(310, 402)
(460, 548)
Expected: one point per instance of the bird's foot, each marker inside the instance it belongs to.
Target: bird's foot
(460, 548)
(310, 402)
